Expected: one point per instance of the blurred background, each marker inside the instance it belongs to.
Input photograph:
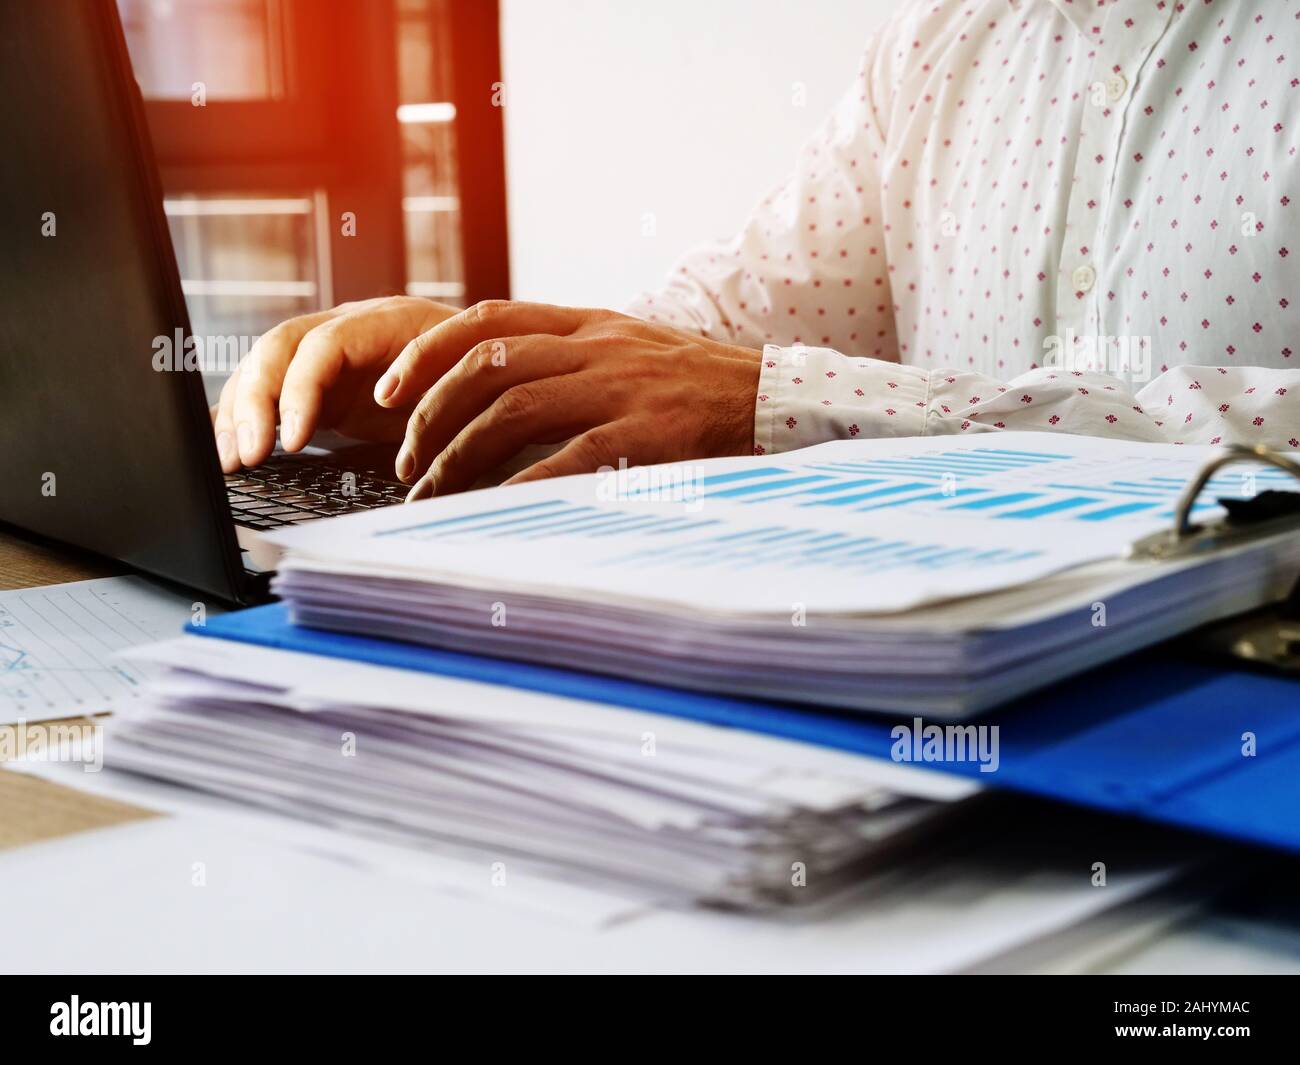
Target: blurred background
(311, 151)
(612, 134)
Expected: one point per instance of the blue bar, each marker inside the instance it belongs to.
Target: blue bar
(1178, 486)
(951, 555)
(995, 501)
(767, 486)
(582, 525)
(773, 547)
(928, 556)
(469, 517)
(784, 534)
(1115, 511)
(542, 521)
(887, 546)
(891, 490)
(683, 528)
(644, 525)
(842, 486)
(992, 556)
(951, 464)
(1051, 508)
(920, 550)
(828, 536)
(1036, 456)
(512, 524)
(830, 549)
(839, 467)
(1110, 489)
(932, 466)
(741, 475)
(724, 543)
(667, 550)
(798, 551)
(929, 497)
(739, 537)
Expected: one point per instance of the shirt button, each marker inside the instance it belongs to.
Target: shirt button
(1115, 86)
(1084, 277)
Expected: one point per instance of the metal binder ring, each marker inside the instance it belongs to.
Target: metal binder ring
(1234, 453)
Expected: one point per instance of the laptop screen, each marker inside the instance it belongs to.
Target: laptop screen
(104, 442)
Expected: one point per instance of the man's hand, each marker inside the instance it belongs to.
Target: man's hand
(318, 372)
(501, 376)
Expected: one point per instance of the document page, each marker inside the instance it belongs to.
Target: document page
(849, 526)
(58, 645)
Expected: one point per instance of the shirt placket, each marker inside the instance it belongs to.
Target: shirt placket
(1127, 37)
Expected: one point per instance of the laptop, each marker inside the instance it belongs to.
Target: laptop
(98, 449)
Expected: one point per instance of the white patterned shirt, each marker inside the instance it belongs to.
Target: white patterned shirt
(1070, 215)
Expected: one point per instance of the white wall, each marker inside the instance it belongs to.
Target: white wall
(684, 110)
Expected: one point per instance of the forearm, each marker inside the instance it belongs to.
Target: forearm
(809, 395)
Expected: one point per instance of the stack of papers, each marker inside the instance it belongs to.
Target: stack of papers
(1018, 876)
(666, 809)
(899, 575)
(930, 576)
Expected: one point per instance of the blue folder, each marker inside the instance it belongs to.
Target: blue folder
(1156, 735)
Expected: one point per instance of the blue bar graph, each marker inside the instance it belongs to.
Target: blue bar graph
(707, 527)
(1054, 507)
(996, 501)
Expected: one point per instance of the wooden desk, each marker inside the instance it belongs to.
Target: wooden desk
(24, 564)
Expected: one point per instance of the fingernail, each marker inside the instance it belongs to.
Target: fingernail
(422, 490)
(289, 422)
(245, 433)
(226, 447)
(385, 387)
(405, 462)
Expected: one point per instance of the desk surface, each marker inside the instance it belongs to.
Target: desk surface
(262, 910)
(24, 564)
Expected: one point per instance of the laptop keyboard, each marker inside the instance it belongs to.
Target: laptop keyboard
(285, 491)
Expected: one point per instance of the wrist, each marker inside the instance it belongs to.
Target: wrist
(742, 368)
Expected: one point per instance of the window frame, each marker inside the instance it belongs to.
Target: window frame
(336, 112)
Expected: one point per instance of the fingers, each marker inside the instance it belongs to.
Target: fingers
(360, 337)
(472, 385)
(223, 424)
(257, 387)
(536, 412)
(316, 365)
(431, 354)
(583, 454)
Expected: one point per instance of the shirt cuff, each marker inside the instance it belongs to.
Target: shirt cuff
(809, 395)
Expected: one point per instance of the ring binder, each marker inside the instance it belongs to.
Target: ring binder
(1269, 637)
(1187, 538)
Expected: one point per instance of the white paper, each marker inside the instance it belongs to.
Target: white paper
(670, 808)
(312, 681)
(851, 526)
(215, 889)
(59, 645)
